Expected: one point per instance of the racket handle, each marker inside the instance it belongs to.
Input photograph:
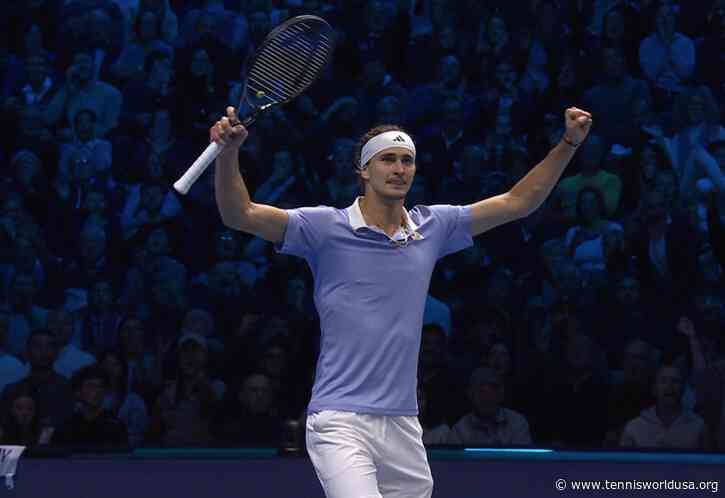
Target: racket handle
(192, 174)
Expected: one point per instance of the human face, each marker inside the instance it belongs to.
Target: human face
(61, 324)
(256, 395)
(192, 358)
(636, 363)
(390, 173)
(499, 358)
(668, 386)
(93, 391)
(112, 366)
(486, 399)
(41, 352)
(23, 411)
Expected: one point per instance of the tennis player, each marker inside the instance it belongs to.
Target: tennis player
(372, 264)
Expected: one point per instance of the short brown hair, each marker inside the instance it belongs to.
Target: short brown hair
(371, 133)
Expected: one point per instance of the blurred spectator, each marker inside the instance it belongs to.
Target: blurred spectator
(81, 90)
(633, 393)
(131, 61)
(489, 424)
(70, 357)
(579, 392)
(22, 425)
(612, 100)
(589, 159)
(586, 240)
(444, 398)
(667, 424)
(666, 56)
(51, 391)
(85, 148)
(26, 314)
(92, 424)
(184, 411)
(433, 434)
(99, 321)
(250, 416)
(121, 400)
(11, 368)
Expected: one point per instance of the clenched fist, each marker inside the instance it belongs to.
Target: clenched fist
(228, 131)
(578, 123)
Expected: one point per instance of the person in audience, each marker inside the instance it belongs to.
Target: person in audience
(51, 391)
(489, 423)
(70, 357)
(667, 424)
(92, 424)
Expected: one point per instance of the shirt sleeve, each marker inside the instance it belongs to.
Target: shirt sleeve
(455, 230)
(306, 231)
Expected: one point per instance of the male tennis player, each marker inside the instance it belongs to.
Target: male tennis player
(372, 265)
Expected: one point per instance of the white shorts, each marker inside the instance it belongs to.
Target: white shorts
(368, 456)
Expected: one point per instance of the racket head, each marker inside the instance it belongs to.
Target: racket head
(290, 59)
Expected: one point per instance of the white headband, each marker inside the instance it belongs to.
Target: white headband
(386, 140)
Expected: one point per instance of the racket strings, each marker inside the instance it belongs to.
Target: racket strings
(290, 62)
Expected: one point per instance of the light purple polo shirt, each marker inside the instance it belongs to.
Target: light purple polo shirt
(370, 294)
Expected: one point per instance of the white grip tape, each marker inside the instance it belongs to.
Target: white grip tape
(192, 174)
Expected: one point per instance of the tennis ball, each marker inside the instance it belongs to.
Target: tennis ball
(260, 94)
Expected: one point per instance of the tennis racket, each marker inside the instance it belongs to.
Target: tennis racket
(287, 62)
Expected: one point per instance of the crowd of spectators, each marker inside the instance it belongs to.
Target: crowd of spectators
(130, 316)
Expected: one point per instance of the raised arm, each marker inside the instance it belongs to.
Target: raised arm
(533, 189)
(232, 197)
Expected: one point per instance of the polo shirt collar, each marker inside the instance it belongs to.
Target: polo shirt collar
(357, 221)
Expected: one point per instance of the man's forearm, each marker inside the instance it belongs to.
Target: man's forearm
(533, 189)
(232, 196)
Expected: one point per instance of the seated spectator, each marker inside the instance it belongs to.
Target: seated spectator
(26, 314)
(184, 411)
(634, 393)
(444, 398)
(489, 424)
(99, 321)
(667, 424)
(213, 18)
(121, 400)
(37, 87)
(696, 124)
(70, 357)
(250, 416)
(22, 425)
(342, 187)
(92, 424)
(82, 90)
(51, 391)
(666, 256)
(468, 181)
(130, 63)
(585, 241)
(86, 148)
(612, 100)
(11, 368)
(666, 56)
(433, 434)
(148, 205)
(580, 392)
(589, 158)
(144, 369)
